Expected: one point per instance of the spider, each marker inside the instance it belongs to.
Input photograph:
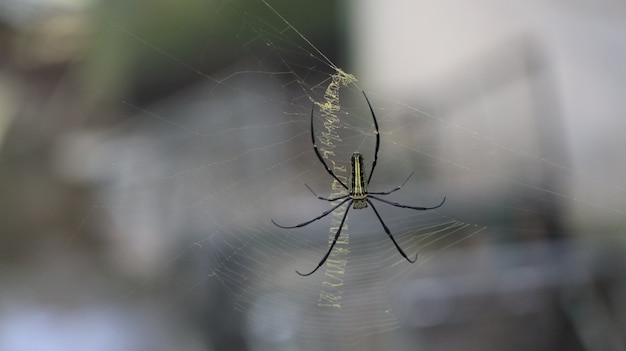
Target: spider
(358, 196)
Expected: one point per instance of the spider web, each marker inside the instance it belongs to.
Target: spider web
(189, 185)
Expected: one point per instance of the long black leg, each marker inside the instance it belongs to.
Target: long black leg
(406, 206)
(394, 189)
(389, 234)
(377, 138)
(325, 198)
(331, 245)
(319, 156)
(314, 219)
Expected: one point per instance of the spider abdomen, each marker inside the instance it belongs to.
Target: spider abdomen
(358, 185)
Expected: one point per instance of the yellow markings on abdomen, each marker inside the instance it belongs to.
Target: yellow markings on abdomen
(358, 188)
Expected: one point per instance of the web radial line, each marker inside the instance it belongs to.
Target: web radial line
(300, 34)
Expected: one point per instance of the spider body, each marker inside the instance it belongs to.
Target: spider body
(358, 195)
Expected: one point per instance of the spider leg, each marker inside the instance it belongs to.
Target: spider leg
(319, 156)
(389, 234)
(325, 198)
(394, 189)
(377, 138)
(314, 219)
(406, 206)
(330, 249)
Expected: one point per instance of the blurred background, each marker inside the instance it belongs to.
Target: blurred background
(144, 148)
